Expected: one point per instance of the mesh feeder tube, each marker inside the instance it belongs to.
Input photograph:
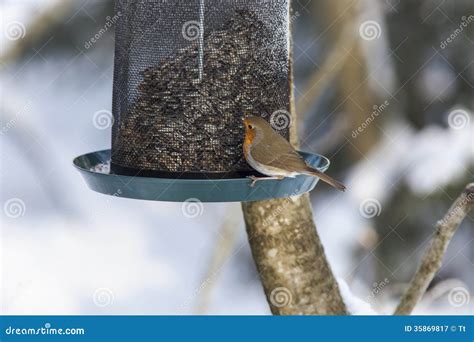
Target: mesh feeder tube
(185, 74)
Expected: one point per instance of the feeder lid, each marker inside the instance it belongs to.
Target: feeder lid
(94, 167)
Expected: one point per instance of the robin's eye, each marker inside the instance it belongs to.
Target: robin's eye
(250, 126)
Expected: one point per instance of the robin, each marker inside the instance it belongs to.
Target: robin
(272, 155)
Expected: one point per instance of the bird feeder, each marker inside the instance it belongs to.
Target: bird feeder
(185, 74)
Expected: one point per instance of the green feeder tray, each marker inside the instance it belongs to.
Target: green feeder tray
(94, 167)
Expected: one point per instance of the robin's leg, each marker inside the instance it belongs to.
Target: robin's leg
(255, 179)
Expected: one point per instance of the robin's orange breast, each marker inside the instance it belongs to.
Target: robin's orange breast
(249, 136)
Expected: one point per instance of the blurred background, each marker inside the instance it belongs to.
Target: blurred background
(384, 88)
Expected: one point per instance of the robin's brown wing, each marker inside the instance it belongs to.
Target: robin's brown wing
(278, 153)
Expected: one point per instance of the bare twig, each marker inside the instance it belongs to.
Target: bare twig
(38, 163)
(433, 257)
(219, 256)
(36, 30)
(333, 64)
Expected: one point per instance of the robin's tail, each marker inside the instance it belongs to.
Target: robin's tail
(325, 178)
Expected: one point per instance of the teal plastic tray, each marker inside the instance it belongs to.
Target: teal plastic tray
(93, 169)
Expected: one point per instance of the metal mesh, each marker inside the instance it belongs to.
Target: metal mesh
(186, 72)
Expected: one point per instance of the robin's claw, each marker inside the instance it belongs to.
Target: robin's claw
(254, 180)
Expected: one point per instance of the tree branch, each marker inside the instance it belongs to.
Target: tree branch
(433, 257)
(290, 258)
